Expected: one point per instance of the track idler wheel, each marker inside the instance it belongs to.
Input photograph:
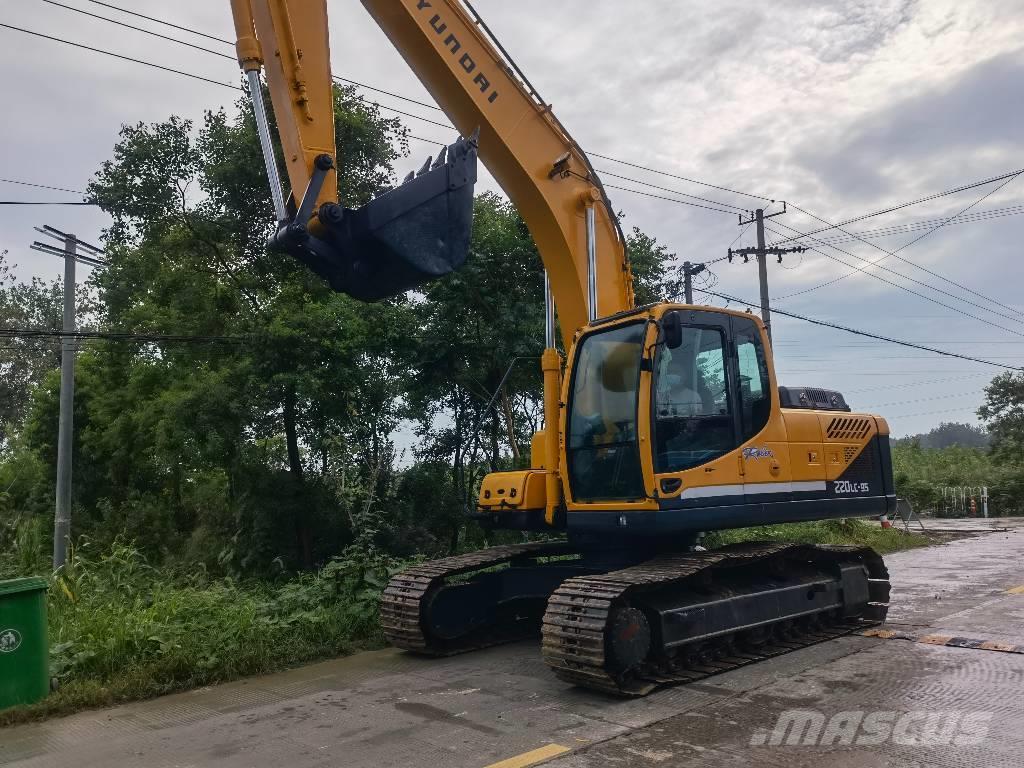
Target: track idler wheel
(629, 638)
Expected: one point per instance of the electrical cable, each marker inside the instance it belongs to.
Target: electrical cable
(924, 399)
(161, 21)
(921, 237)
(900, 229)
(120, 56)
(904, 288)
(42, 186)
(670, 199)
(681, 178)
(673, 191)
(139, 29)
(890, 209)
(36, 333)
(869, 335)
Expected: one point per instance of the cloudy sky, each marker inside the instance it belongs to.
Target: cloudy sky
(841, 109)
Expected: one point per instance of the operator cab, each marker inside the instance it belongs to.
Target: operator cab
(709, 391)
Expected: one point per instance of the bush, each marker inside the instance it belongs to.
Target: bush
(122, 629)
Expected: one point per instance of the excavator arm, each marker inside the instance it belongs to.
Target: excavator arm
(534, 159)
(403, 238)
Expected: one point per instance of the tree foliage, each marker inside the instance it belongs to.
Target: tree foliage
(1003, 413)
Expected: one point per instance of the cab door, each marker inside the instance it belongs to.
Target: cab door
(694, 416)
(763, 446)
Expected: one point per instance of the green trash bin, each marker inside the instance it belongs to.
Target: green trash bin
(24, 650)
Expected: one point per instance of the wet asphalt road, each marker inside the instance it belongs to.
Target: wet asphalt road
(855, 701)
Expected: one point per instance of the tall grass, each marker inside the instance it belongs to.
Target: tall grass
(857, 532)
(121, 629)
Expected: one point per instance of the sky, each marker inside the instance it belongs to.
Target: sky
(840, 109)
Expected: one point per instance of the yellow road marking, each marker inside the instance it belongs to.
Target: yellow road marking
(1016, 590)
(532, 757)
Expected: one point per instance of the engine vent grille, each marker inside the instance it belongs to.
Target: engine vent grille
(848, 428)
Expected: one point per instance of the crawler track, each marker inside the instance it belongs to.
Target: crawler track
(578, 623)
(405, 609)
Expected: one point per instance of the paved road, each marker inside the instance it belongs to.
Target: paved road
(867, 701)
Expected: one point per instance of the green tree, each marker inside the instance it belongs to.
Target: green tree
(236, 448)
(25, 362)
(1003, 414)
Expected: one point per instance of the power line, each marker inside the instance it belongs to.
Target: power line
(899, 229)
(930, 413)
(879, 337)
(42, 186)
(673, 191)
(160, 21)
(921, 237)
(917, 383)
(669, 199)
(904, 288)
(120, 56)
(924, 399)
(681, 178)
(139, 29)
(900, 206)
(37, 333)
(44, 202)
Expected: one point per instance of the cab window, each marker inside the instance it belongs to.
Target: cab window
(755, 389)
(693, 416)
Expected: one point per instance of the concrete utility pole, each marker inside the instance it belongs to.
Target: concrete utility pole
(65, 428)
(762, 253)
(689, 270)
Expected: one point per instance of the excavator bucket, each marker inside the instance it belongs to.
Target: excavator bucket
(406, 237)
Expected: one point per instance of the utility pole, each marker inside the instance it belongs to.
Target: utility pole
(65, 428)
(689, 270)
(762, 253)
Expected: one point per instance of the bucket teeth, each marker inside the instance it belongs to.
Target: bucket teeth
(411, 175)
(441, 156)
(425, 167)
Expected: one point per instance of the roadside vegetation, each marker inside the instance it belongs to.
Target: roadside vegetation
(861, 533)
(122, 629)
(240, 499)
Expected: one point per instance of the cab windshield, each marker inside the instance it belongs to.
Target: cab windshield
(604, 462)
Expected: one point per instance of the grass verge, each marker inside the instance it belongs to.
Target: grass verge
(121, 630)
(853, 532)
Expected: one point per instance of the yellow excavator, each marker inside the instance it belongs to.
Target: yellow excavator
(665, 421)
